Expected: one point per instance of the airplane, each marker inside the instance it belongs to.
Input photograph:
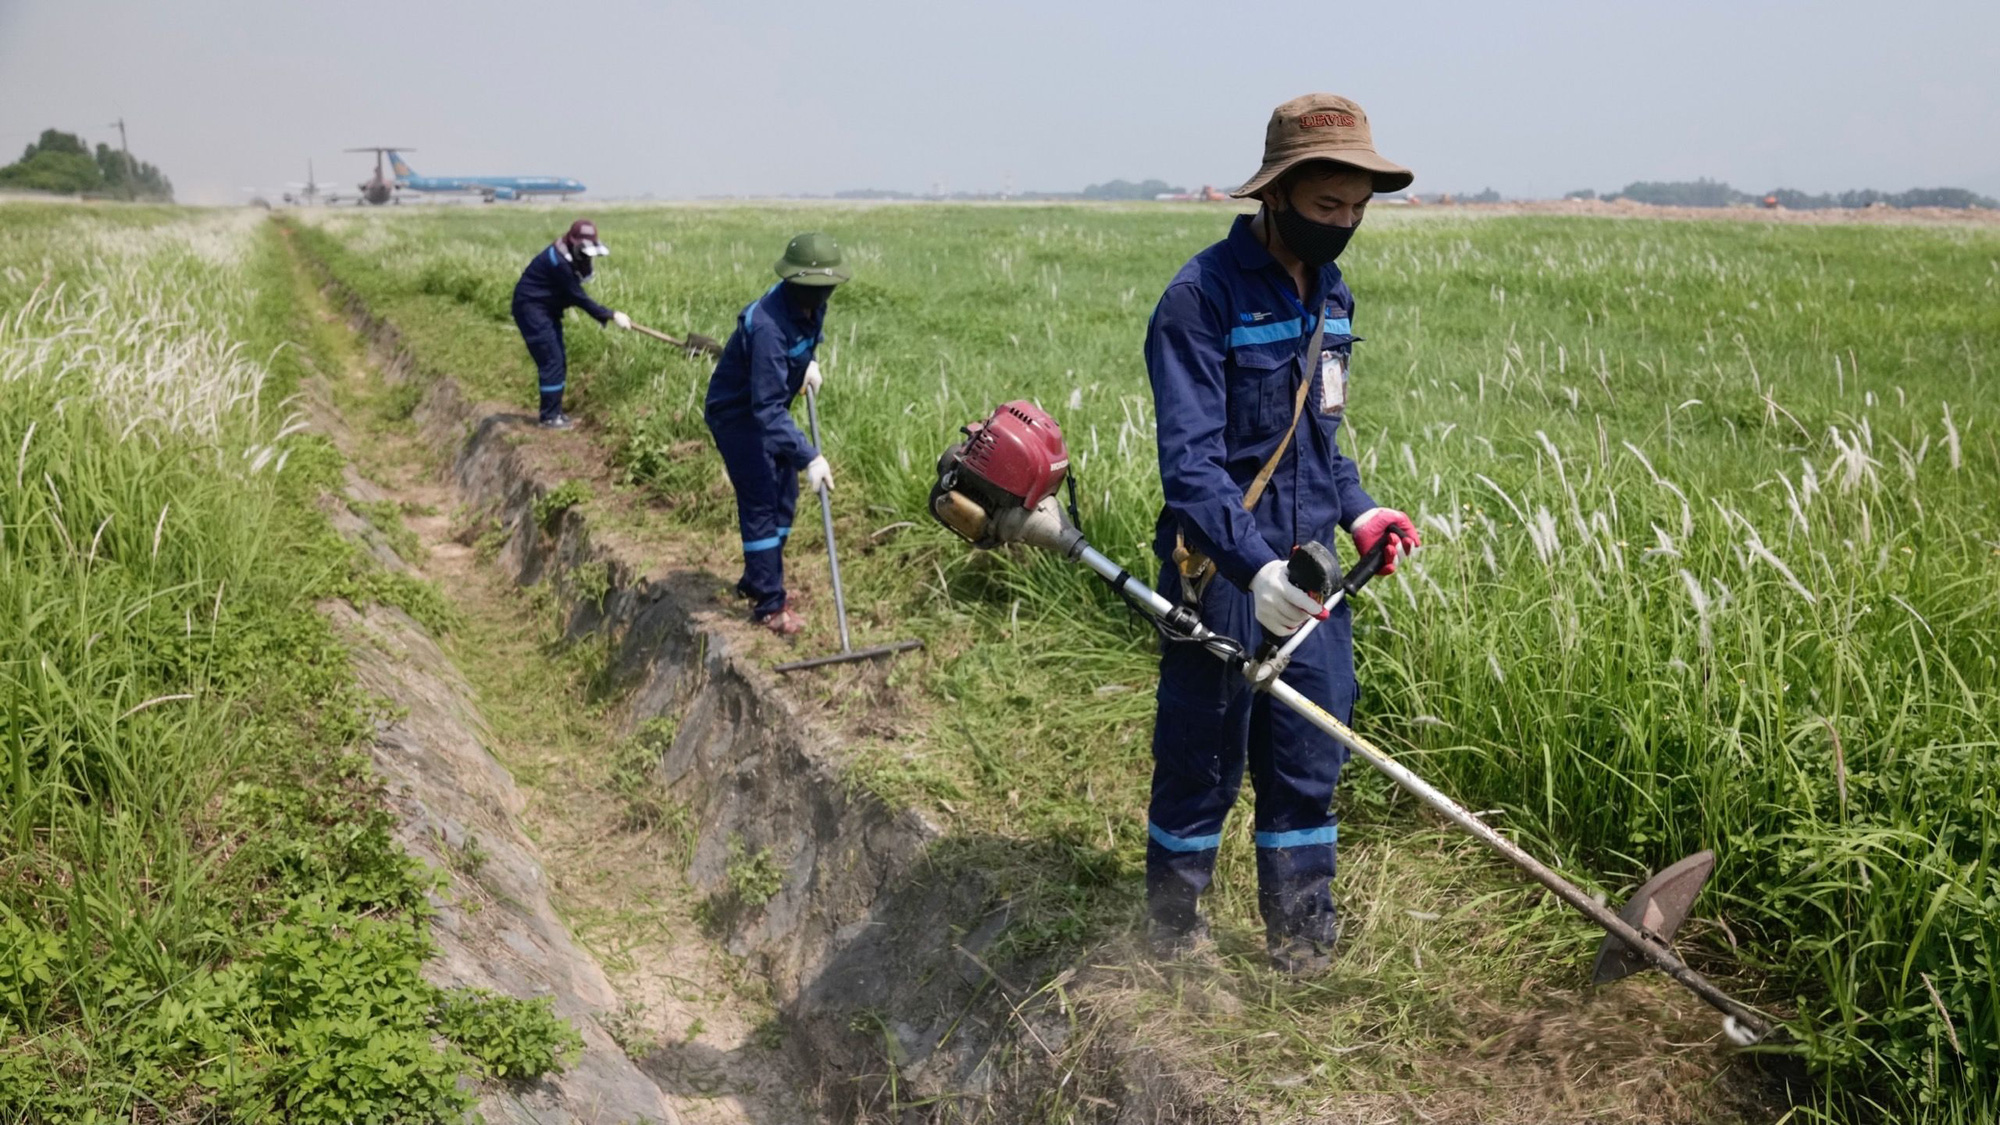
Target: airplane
(489, 188)
(310, 192)
(377, 189)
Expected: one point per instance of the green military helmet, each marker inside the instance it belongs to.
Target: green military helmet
(812, 259)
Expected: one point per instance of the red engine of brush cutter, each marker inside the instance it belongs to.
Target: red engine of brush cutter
(1014, 459)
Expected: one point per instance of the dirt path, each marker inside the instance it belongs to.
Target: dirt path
(692, 1018)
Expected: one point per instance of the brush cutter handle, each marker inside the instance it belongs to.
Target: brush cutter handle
(1365, 569)
(1313, 569)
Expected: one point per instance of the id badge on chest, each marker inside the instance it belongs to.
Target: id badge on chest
(1332, 382)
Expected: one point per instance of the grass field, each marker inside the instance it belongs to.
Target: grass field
(1713, 563)
(1713, 557)
(203, 914)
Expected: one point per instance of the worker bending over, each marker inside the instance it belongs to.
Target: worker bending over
(768, 360)
(1248, 354)
(553, 282)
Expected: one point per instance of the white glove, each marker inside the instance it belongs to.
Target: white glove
(1281, 606)
(819, 475)
(621, 320)
(813, 377)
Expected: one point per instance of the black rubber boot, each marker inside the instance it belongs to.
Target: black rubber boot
(1170, 945)
(1305, 954)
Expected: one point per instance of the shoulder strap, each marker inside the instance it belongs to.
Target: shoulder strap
(1263, 479)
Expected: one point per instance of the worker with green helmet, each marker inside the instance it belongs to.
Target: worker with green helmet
(769, 359)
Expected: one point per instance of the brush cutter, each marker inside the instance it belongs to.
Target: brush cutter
(847, 651)
(695, 344)
(998, 487)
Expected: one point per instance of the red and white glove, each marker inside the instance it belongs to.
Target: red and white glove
(1375, 523)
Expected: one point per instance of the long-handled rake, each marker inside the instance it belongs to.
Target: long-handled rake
(695, 344)
(998, 487)
(847, 651)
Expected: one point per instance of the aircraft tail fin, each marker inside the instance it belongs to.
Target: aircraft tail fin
(399, 166)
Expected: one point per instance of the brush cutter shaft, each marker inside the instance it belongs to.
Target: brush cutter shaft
(1127, 585)
(826, 523)
(1661, 957)
(1176, 618)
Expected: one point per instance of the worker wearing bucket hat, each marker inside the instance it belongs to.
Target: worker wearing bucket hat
(1248, 353)
(552, 283)
(769, 359)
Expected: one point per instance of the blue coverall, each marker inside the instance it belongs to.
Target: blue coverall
(749, 411)
(1225, 351)
(548, 286)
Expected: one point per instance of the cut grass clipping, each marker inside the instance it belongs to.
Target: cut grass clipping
(1712, 556)
(202, 911)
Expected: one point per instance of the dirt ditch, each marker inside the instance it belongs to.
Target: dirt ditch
(870, 942)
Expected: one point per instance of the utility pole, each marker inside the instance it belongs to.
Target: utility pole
(130, 179)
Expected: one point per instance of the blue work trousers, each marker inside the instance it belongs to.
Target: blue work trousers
(767, 494)
(544, 337)
(1208, 728)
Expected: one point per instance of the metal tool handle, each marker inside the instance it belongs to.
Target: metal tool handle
(826, 524)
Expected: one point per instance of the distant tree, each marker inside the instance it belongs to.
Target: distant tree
(62, 162)
(146, 180)
(1126, 189)
(1582, 193)
(1941, 197)
(1685, 193)
(1795, 200)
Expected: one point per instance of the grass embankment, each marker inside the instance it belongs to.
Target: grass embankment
(202, 911)
(1714, 562)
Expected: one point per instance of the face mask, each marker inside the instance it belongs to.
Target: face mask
(582, 263)
(1316, 244)
(808, 298)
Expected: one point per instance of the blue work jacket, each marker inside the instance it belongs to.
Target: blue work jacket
(550, 284)
(1225, 351)
(761, 371)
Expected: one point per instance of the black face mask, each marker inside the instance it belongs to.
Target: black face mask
(1316, 244)
(807, 298)
(581, 263)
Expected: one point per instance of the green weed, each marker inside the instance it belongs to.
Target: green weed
(511, 1038)
(550, 506)
(754, 877)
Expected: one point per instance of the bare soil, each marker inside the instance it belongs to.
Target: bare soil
(687, 1012)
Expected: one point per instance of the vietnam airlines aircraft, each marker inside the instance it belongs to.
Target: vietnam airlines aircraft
(488, 187)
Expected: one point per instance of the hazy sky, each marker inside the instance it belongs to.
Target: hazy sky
(686, 99)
